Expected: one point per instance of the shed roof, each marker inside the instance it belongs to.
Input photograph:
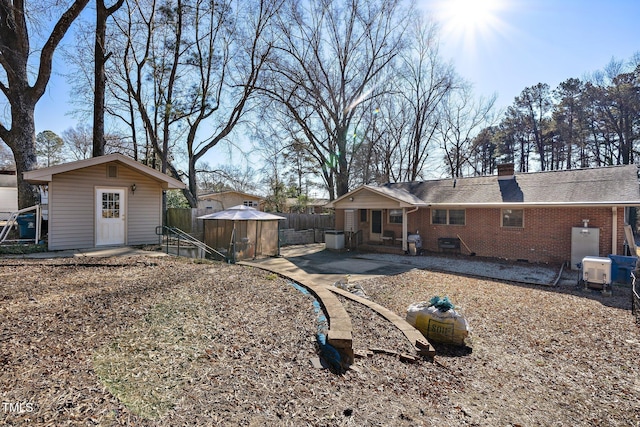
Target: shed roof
(45, 175)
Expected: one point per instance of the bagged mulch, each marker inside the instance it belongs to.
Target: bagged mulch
(438, 321)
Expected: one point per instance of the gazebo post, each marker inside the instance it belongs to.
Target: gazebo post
(255, 245)
(233, 243)
(278, 254)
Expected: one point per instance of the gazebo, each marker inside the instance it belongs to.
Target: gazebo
(242, 232)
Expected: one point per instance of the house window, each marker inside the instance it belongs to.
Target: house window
(363, 215)
(512, 218)
(456, 217)
(250, 203)
(438, 216)
(395, 216)
(448, 216)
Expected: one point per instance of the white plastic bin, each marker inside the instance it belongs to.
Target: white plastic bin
(334, 239)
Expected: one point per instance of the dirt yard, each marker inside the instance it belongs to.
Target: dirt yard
(163, 341)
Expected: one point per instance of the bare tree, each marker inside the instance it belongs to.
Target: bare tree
(6, 158)
(461, 119)
(330, 58)
(190, 67)
(100, 56)
(426, 82)
(78, 142)
(226, 177)
(16, 60)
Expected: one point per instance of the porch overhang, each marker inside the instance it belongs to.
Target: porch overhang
(370, 197)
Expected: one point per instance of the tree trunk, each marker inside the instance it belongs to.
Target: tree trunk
(22, 143)
(16, 52)
(99, 79)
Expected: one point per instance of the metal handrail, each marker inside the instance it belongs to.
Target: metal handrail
(13, 220)
(163, 230)
(351, 236)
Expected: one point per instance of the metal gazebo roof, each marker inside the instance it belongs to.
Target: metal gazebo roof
(242, 213)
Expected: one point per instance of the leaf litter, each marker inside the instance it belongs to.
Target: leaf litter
(127, 341)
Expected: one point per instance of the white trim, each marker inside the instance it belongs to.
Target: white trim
(538, 204)
(45, 175)
(614, 231)
(123, 214)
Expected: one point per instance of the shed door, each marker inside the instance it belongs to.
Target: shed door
(110, 216)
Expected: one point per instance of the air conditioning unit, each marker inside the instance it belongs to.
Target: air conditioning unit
(596, 272)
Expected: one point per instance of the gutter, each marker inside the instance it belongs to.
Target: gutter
(405, 230)
(584, 204)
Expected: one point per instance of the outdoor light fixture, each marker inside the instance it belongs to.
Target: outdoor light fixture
(133, 188)
(351, 199)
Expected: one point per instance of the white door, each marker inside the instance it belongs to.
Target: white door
(349, 220)
(110, 216)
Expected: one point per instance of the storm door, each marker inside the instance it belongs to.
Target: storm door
(376, 225)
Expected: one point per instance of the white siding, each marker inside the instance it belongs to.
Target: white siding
(72, 206)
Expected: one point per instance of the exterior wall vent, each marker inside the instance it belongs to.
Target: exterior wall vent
(112, 171)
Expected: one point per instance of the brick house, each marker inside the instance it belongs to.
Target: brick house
(524, 216)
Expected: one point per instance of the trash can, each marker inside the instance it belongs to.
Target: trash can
(621, 268)
(27, 226)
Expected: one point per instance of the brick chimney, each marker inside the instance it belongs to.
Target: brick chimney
(506, 170)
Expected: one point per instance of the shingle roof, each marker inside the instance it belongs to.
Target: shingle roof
(400, 194)
(608, 185)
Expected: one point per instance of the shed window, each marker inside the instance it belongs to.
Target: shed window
(448, 216)
(395, 216)
(250, 203)
(363, 215)
(513, 218)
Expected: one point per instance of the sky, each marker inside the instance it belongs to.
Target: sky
(500, 46)
(504, 46)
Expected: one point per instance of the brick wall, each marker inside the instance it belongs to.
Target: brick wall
(545, 237)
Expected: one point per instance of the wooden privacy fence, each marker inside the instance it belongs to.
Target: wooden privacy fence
(186, 219)
(299, 221)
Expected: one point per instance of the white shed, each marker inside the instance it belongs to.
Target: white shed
(103, 201)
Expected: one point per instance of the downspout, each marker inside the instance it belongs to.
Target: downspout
(614, 231)
(405, 230)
